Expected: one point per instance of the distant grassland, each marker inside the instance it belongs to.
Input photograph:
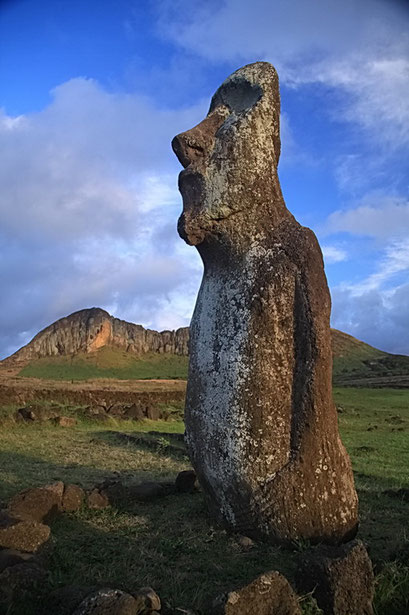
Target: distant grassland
(354, 363)
(108, 363)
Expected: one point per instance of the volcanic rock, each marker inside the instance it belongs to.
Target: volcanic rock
(186, 482)
(97, 499)
(90, 329)
(108, 602)
(22, 535)
(72, 498)
(269, 594)
(261, 424)
(38, 503)
(341, 579)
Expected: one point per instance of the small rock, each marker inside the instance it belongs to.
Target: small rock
(134, 412)
(108, 602)
(72, 498)
(65, 421)
(153, 413)
(341, 579)
(148, 600)
(245, 542)
(21, 535)
(117, 409)
(33, 413)
(96, 410)
(186, 481)
(57, 487)
(269, 594)
(11, 557)
(38, 503)
(97, 499)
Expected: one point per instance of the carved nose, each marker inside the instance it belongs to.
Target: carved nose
(187, 147)
(196, 143)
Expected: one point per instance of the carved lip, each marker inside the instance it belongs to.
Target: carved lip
(192, 186)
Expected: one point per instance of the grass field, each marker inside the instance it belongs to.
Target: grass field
(355, 363)
(108, 363)
(171, 544)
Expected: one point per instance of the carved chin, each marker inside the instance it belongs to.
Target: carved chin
(189, 230)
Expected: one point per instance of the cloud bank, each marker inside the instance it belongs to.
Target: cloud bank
(88, 212)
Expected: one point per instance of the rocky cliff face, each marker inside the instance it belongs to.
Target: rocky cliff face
(93, 328)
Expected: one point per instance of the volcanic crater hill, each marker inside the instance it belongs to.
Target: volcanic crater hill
(91, 329)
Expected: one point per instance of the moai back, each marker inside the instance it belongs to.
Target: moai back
(261, 425)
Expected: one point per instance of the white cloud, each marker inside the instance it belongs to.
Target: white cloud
(360, 48)
(377, 216)
(88, 212)
(380, 319)
(394, 261)
(332, 254)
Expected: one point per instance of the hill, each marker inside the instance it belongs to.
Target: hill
(91, 344)
(89, 330)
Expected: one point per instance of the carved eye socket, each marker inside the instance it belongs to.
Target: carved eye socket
(237, 94)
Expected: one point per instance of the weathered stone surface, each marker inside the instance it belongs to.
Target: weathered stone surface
(72, 498)
(97, 499)
(269, 594)
(91, 329)
(261, 425)
(341, 579)
(108, 602)
(21, 535)
(186, 481)
(37, 504)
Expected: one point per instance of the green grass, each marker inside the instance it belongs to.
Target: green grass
(108, 363)
(172, 543)
(353, 361)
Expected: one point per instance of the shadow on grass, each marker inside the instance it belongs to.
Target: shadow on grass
(161, 443)
(171, 543)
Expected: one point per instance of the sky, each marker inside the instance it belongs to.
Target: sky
(91, 94)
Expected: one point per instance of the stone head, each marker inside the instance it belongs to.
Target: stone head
(230, 158)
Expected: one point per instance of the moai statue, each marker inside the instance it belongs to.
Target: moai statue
(261, 425)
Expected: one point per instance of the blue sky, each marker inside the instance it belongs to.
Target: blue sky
(91, 95)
